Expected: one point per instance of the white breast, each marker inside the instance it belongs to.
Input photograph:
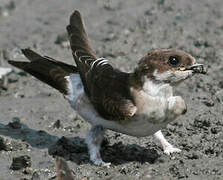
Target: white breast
(149, 118)
(140, 125)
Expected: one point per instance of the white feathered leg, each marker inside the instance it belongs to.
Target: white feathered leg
(167, 147)
(93, 140)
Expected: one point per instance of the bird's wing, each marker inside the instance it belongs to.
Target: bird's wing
(46, 69)
(106, 87)
(109, 91)
(81, 50)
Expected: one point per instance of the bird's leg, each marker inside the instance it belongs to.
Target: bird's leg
(167, 147)
(93, 140)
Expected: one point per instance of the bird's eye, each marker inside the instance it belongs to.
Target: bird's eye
(174, 61)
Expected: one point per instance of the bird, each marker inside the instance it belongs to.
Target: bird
(139, 103)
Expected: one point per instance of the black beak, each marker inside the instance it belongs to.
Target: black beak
(197, 68)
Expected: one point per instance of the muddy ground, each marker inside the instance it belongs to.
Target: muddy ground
(34, 117)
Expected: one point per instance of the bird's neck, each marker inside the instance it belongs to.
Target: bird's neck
(150, 85)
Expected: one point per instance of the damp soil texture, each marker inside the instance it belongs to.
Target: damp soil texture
(37, 123)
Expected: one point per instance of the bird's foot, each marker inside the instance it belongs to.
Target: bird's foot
(169, 149)
(100, 162)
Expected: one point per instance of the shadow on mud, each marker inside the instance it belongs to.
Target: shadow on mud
(75, 149)
(36, 138)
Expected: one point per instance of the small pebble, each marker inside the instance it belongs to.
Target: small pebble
(3, 145)
(20, 162)
(15, 124)
(57, 124)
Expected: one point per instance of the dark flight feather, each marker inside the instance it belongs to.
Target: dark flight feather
(47, 70)
(81, 50)
(107, 88)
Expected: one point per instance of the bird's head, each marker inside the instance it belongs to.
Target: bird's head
(168, 66)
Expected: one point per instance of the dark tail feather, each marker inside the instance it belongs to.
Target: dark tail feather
(48, 70)
(31, 55)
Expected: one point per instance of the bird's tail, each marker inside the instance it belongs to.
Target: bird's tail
(46, 69)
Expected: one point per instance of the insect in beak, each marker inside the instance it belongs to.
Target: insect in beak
(196, 68)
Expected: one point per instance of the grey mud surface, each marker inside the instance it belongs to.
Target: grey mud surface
(34, 117)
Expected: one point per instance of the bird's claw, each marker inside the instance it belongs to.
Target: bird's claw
(170, 149)
(100, 162)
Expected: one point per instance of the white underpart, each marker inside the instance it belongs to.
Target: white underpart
(4, 71)
(74, 87)
(167, 147)
(160, 90)
(95, 135)
(152, 115)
